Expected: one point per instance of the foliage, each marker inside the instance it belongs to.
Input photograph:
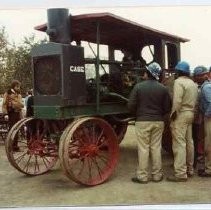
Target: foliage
(15, 61)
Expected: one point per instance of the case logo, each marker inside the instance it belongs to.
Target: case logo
(77, 68)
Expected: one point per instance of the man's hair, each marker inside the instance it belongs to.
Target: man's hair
(180, 74)
(29, 92)
(15, 83)
(150, 75)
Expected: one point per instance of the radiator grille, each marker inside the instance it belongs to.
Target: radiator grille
(47, 75)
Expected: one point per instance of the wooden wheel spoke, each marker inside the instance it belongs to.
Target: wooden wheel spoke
(27, 164)
(23, 142)
(103, 143)
(73, 147)
(36, 165)
(78, 139)
(73, 144)
(81, 170)
(99, 137)
(89, 167)
(86, 132)
(20, 157)
(103, 158)
(93, 139)
(98, 167)
(45, 160)
(52, 153)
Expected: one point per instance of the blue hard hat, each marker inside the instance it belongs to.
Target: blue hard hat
(200, 70)
(183, 66)
(155, 69)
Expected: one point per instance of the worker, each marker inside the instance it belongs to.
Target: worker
(205, 108)
(198, 124)
(150, 101)
(185, 93)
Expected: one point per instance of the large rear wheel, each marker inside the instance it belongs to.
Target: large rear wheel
(89, 151)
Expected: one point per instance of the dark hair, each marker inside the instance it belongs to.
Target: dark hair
(180, 74)
(15, 83)
(29, 92)
(150, 75)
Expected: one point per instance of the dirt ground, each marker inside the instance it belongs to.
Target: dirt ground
(55, 189)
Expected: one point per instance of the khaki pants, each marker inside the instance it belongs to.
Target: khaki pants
(182, 144)
(207, 144)
(149, 135)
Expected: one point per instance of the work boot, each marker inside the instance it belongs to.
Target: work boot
(190, 174)
(137, 180)
(200, 171)
(204, 174)
(157, 179)
(176, 179)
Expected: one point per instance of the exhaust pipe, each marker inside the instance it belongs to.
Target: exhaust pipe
(58, 25)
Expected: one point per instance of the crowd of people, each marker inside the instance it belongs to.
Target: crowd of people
(190, 106)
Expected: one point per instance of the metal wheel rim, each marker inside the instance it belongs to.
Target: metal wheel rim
(10, 132)
(31, 160)
(90, 156)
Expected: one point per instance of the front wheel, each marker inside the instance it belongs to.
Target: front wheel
(32, 147)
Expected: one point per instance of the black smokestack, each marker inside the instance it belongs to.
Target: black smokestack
(58, 26)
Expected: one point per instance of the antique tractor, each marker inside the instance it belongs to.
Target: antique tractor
(77, 119)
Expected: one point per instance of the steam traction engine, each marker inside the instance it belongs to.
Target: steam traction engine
(77, 119)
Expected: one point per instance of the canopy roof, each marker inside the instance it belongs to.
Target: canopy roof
(114, 31)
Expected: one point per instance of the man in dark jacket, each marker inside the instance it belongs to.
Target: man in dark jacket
(151, 101)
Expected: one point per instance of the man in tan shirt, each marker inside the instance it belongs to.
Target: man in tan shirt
(185, 95)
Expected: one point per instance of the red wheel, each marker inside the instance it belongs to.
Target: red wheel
(31, 147)
(11, 132)
(89, 151)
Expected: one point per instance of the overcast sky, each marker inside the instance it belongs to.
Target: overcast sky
(95, 3)
(186, 21)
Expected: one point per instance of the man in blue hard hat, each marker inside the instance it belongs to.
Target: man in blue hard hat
(185, 93)
(203, 76)
(150, 101)
(198, 124)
